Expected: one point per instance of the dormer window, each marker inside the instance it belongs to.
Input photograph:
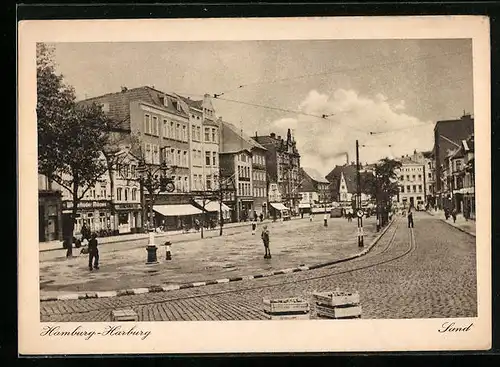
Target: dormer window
(105, 107)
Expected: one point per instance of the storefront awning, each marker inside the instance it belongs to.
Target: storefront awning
(213, 206)
(303, 206)
(176, 210)
(279, 206)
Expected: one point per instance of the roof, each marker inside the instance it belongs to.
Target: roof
(350, 176)
(119, 103)
(235, 139)
(315, 175)
(190, 102)
(409, 160)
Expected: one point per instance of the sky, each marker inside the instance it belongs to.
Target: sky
(387, 94)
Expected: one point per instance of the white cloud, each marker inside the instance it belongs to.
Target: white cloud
(322, 143)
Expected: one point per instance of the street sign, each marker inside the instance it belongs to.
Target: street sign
(360, 213)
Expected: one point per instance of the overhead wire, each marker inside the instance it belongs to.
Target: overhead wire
(343, 70)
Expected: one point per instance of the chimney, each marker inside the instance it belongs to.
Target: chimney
(256, 134)
(273, 135)
(347, 157)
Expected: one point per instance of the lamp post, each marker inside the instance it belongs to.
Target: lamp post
(154, 179)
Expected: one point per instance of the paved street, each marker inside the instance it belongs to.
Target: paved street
(430, 274)
(237, 253)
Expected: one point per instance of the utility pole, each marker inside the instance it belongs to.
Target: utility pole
(358, 179)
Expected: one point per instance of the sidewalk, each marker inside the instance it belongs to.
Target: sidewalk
(57, 245)
(467, 226)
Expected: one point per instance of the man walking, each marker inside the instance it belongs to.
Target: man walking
(254, 226)
(265, 239)
(411, 209)
(93, 252)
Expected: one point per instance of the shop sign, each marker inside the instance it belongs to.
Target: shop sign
(126, 206)
(86, 204)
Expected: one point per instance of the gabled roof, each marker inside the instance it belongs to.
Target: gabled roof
(234, 139)
(350, 176)
(119, 103)
(314, 175)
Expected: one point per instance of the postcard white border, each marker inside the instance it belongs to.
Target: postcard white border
(252, 336)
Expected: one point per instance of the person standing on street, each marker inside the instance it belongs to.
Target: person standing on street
(93, 252)
(310, 217)
(325, 220)
(254, 226)
(454, 215)
(265, 239)
(411, 209)
(261, 217)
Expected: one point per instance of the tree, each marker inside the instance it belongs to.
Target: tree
(71, 135)
(383, 186)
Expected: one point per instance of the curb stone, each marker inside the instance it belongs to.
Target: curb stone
(173, 287)
(459, 228)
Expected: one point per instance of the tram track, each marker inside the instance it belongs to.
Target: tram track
(354, 265)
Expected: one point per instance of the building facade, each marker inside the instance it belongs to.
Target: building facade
(344, 187)
(49, 212)
(238, 165)
(447, 136)
(314, 190)
(283, 168)
(411, 184)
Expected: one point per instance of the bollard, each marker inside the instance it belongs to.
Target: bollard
(169, 255)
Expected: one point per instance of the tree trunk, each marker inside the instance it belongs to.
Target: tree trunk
(220, 213)
(72, 221)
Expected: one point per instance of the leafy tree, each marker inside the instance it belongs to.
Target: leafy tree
(72, 137)
(383, 186)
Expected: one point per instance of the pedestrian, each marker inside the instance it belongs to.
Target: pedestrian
(411, 209)
(261, 217)
(93, 252)
(446, 213)
(454, 215)
(325, 220)
(85, 232)
(254, 226)
(466, 213)
(265, 239)
(311, 217)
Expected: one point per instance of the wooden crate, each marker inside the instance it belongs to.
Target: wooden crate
(126, 314)
(286, 305)
(336, 298)
(338, 312)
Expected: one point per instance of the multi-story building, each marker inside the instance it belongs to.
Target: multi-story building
(204, 142)
(314, 190)
(163, 124)
(458, 172)
(447, 137)
(238, 165)
(282, 165)
(235, 140)
(411, 176)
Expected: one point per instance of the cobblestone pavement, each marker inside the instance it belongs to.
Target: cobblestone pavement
(460, 223)
(433, 276)
(238, 253)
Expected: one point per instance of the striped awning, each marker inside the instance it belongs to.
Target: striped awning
(176, 210)
(279, 206)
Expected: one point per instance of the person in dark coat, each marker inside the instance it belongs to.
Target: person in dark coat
(454, 215)
(85, 232)
(93, 252)
(265, 239)
(254, 226)
(411, 209)
(261, 217)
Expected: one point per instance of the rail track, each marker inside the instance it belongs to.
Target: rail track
(371, 259)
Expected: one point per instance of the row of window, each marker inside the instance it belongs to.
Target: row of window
(259, 192)
(411, 169)
(210, 134)
(259, 176)
(243, 171)
(244, 189)
(211, 182)
(171, 129)
(408, 188)
(126, 194)
(181, 183)
(413, 177)
(258, 159)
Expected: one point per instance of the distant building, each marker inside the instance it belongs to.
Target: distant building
(447, 137)
(343, 184)
(411, 176)
(282, 165)
(314, 190)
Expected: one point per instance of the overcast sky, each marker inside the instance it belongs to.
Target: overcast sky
(377, 86)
